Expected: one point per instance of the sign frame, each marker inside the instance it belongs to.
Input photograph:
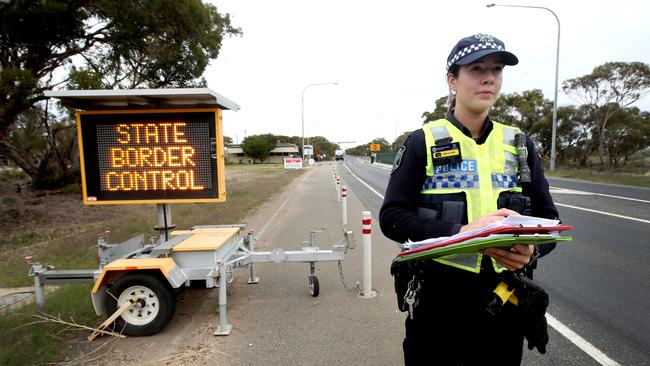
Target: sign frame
(375, 147)
(292, 163)
(220, 180)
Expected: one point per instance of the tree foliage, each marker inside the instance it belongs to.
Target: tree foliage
(364, 149)
(608, 88)
(399, 141)
(628, 132)
(323, 146)
(46, 148)
(438, 113)
(114, 44)
(259, 146)
(384, 145)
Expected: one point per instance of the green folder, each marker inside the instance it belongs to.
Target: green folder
(477, 245)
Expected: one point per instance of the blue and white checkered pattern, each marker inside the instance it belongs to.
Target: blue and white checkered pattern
(471, 48)
(504, 181)
(460, 181)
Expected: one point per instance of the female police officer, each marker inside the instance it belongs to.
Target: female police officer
(461, 173)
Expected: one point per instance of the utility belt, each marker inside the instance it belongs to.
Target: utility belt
(418, 278)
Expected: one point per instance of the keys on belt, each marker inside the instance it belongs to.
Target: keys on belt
(410, 298)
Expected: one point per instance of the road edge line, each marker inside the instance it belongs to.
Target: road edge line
(364, 183)
(569, 191)
(603, 213)
(580, 342)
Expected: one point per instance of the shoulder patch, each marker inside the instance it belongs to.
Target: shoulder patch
(398, 159)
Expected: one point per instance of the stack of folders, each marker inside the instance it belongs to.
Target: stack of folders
(512, 230)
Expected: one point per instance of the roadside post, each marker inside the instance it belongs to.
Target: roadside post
(338, 189)
(366, 280)
(344, 206)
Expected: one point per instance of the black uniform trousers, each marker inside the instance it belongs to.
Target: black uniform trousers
(451, 326)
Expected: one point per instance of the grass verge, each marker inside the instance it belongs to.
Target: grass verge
(64, 233)
(594, 175)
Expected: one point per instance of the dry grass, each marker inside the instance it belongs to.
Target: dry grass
(56, 228)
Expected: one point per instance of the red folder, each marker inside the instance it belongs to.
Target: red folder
(515, 230)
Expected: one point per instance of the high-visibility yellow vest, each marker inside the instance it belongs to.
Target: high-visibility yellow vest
(486, 170)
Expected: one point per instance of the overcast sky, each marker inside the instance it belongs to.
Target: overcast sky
(388, 58)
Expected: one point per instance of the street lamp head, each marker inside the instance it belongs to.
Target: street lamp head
(490, 5)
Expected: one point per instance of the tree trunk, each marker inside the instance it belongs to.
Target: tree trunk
(11, 154)
(601, 146)
(583, 160)
(8, 114)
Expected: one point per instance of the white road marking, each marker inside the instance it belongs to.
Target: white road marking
(572, 336)
(573, 191)
(364, 183)
(559, 190)
(580, 342)
(597, 183)
(382, 167)
(603, 213)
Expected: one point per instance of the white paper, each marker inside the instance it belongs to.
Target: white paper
(510, 221)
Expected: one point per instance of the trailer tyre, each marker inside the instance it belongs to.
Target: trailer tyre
(150, 313)
(314, 288)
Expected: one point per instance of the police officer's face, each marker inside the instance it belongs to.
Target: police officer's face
(478, 84)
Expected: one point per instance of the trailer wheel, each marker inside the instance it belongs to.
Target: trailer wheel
(314, 288)
(153, 310)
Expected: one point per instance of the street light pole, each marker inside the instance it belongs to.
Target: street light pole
(302, 139)
(557, 67)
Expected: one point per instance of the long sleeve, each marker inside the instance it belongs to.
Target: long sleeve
(398, 217)
(538, 190)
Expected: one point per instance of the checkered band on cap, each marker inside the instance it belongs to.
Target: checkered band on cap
(472, 48)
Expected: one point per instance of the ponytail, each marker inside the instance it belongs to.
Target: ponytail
(451, 98)
(451, 101)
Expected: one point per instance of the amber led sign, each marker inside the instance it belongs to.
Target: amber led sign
(151, 156)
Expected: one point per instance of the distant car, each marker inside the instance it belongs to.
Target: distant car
(339, 154)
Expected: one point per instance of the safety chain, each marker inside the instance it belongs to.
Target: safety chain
(349, 288)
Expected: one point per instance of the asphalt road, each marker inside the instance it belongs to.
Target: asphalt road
(599, 284)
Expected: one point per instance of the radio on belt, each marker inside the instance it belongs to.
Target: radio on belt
(446, 152)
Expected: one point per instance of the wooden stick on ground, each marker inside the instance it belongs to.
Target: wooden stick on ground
(50, 318)
(112, 318)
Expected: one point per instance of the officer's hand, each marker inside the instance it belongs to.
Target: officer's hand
(487, 219)
(513, 258)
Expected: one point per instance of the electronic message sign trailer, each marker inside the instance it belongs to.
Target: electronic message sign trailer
(161, 146)
(156, 156)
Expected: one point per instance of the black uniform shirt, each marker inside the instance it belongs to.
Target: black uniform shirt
(398, 217)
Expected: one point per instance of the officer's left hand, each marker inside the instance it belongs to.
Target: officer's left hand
(513, 258)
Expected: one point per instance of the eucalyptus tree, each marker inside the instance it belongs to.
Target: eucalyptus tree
(609, 87)
(101, 44)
